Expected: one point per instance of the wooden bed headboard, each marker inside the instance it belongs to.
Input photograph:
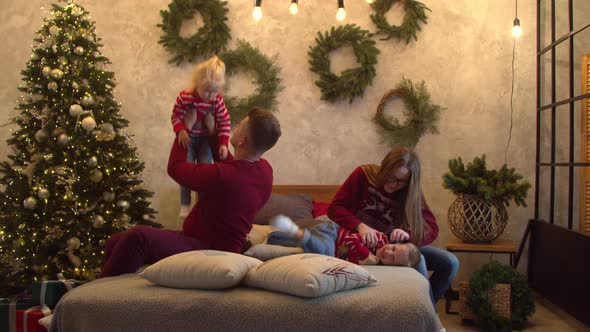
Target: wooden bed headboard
(319, 193)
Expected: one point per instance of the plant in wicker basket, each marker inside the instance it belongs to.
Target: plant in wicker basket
(479, 212)
(479, 298)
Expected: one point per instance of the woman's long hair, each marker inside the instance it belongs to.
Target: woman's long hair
(412, 218)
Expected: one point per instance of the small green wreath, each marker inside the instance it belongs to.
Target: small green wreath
(266, 71)
(210, 39)
(421, 115)
(352, 82)
(415, 13)
(522, 304)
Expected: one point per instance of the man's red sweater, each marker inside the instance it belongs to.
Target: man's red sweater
(230, 195)
(358, 202)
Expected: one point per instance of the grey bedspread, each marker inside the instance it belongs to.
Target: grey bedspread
(398, 302)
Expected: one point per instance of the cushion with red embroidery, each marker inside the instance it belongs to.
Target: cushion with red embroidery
(308, 275)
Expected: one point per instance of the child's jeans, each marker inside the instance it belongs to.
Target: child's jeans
(199, 151)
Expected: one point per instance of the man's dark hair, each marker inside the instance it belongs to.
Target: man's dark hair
(264, 129)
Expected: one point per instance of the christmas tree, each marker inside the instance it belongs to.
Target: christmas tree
(73, 178)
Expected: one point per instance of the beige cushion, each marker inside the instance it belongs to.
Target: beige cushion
(259, 234)
(265, 251)
(308, 275)
(202, 269)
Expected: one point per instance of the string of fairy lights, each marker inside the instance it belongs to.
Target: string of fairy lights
(294, 9)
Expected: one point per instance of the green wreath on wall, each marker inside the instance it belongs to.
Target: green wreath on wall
(478, 300)
(421, 115)
(415, 15)
(209, 40)
(247, 58)
(352, 82)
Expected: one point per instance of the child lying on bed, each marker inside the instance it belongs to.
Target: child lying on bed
(329, 239)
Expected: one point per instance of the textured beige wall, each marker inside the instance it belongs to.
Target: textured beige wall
(463, 54)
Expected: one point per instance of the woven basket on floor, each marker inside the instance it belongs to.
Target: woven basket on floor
(500, 299)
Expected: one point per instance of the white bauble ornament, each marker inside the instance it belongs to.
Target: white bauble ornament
(57, 131)
(63, 139)
(96, 176)
(57, 74)
(87, 100)
(146, 217)
(88, 123)
(52, 86)
(35, 56)
(92, 161)
(30, 203)
(53, 30)
(77, 11)
(43, 193)
(108, 196)
(41, 135)
(97, 221)
(75, 260)
(124, 205)
(107, 128)
(79, 50)
(73, 243)
(54, 48)
(75, 110)
(75, 85)
(46, 71)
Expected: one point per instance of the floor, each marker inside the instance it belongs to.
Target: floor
(547, 317)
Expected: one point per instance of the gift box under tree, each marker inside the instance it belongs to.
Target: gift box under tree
(49, 292)
(8, 310)
(27, 320)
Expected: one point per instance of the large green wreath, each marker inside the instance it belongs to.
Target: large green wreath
(415, 14)
(210, 39)
(421, 115)
(266, 71)
(352, 82)
(522, 306)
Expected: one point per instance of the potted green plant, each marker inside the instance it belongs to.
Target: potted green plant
(479, 212)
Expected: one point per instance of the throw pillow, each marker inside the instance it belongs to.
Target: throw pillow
(265, 251)
(202, 269)
(308, 275)
(295, 206)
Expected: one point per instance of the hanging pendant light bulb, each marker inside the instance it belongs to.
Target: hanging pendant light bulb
(340, 13)
(257, 12)
(294, 9)
(370, 1)
(516, 30)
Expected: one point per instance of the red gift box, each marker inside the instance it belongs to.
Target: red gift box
(27, 320)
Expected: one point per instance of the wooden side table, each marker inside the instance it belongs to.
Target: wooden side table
(496, 247)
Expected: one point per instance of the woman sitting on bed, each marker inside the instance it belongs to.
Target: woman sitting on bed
(388, 199)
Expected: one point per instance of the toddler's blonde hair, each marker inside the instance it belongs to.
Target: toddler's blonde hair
(209, 74)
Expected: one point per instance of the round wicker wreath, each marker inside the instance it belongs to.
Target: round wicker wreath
(266, 71)
(421, 115)
(352, 82)
(210, 39)
(478, 299)
(415, 14)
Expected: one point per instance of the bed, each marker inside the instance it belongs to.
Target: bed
(398, 301)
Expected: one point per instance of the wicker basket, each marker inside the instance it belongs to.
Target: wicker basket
(500, 299)
(473, 219)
